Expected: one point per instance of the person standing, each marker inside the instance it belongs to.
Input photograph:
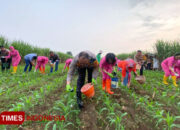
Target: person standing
(138, 58)
(106, 65)
(29, 59)
(84, 61)
(16, 58)
(99, 56)
(155, 63)
(168, 67)
(5, 64)
(149, 63)
(54, 61)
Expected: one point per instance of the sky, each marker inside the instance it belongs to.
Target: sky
(118, 26)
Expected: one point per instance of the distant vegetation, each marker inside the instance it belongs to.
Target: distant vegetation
(162, 49)
(25, 48)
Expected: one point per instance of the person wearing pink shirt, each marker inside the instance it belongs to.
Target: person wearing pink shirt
(16, 58)
(168, 67)
(106, 65)
(177, 70)
(67, 64)
(41, 62)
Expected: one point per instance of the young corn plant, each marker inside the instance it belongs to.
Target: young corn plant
(115, 119)
(170, 121)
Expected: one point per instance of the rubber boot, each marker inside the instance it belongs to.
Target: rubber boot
(14, 69)
(103, 84)
(79, 100)
(43, 70)
(108, 86)
(165, 80)
(174, 81)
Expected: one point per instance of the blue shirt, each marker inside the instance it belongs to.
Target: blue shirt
(30, 56)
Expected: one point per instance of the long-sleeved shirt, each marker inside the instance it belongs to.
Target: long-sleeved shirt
(74, 66)
(16, 58)
(54, 58)
(30, 56)
(170, 61)
(127, 65)
(138, 58)
(4, 53)
(67, 63)
(98, 57)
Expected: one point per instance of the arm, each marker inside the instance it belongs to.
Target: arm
(170, 64)
(14, 53)
(65, 66)
(134, 70)
(72, 69)
(9, 56)
(123, 73)
(95, 72)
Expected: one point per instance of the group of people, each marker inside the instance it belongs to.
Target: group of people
(88, 61)
(12, 56)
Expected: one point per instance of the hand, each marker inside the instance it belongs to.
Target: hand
(122, 83)
(136, 74)
(68, 88)
(93, 81)
(129, 85)
(176, 74)
(111, 75)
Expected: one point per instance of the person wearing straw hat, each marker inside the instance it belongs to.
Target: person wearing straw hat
(16, 58)
(67, 64)
(168, 68)
(84, 61)
(106, 65)
(29, 60)
(5, 64)
(126, 67)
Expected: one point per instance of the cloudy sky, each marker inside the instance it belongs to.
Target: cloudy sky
(118, 26)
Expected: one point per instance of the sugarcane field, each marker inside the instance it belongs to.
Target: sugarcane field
(90, 65)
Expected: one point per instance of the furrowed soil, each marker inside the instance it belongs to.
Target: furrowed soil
(95, 114)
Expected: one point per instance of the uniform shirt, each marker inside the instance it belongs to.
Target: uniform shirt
(54, 58)
(30, 56)
(138, 58)
(4, 53)
(170, 61)
(98, 57)
(74, 66)
(124, 66)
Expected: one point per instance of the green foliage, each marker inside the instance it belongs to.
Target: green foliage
(164, 49)
(124, 56)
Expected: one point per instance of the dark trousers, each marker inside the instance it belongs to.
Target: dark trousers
(81, 78)
(56, 66)
(5, 64)
(141, 70)
(149, 66)
(28, 63)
